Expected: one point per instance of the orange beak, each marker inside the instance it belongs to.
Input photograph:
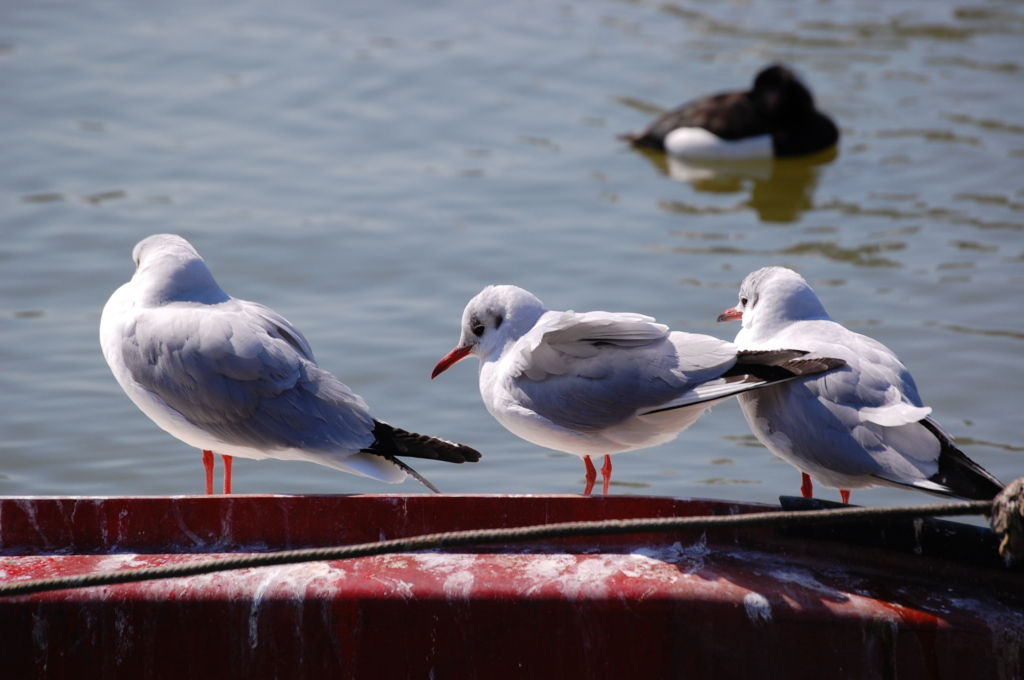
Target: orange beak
(450, 360)
(731, 314)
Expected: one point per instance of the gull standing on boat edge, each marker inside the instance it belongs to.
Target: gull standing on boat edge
(234, 377)
(861, 426)
(602, 383)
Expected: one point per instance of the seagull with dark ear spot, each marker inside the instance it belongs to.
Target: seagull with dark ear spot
(234, 377)
(774, 119)
(601, 383)
(860, 426)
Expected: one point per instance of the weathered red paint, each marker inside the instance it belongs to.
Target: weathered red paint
(733, 604)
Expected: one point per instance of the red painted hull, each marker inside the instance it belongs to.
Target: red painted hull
(728, 604)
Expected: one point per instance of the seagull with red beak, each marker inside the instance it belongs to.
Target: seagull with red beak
(601, 383)
(861, 426)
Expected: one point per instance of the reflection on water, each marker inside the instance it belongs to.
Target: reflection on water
(861, 256)
(990, 332)
(922, 210)
(779, 189)
(969, 441)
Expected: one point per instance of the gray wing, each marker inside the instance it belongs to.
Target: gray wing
(245, 375)
(878, 388)
(587, 372)
(861, 419)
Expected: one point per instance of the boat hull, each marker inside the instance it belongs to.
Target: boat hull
(716, 604)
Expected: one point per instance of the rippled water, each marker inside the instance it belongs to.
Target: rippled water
(367, 169)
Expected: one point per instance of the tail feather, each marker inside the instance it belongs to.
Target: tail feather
(415, 475)
(392, 441)
(962, 476)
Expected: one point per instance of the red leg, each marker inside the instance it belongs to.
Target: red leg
(806, 488)
(606, 474)
(227, 472)
(591, 475)
(208, 464)
(845, 495)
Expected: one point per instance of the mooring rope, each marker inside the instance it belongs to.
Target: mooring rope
(491, 536)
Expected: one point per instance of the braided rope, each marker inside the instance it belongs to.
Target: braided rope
(491, 536)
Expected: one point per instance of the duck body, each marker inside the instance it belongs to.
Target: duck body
(775, 119)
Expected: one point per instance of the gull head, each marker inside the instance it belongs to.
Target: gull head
(168, 269)
(492, 319)
(773, 297)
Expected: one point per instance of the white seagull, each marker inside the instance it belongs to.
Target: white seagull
(601, 383)
(861, 426)
(234, 377)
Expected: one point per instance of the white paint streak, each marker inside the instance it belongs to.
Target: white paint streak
(806, 580)
(120, 561)
(459, 584)
(125, 635)
(121, 517)
(759, 610)
(28, 505)
(691, 557)
(444, 563)
(226, 525)
(39, 637)
(257, 600)
(196, 540)
(398, 587)
(541, 570)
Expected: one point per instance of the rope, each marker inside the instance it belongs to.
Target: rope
(490, 536)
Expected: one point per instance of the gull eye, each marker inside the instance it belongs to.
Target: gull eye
(743, 301)
(498, 321)
(478, 330)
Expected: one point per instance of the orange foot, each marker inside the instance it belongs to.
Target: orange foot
(806, 488)
(208, 464)
(606, 474)
(591, 475)
(228, 460)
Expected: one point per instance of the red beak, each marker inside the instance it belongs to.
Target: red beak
(450, 359)
(731, 314)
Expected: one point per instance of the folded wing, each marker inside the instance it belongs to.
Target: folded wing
(244, 375)
(587, 372)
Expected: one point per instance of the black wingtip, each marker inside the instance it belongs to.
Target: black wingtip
(812, 366)
(767, 366)
(394, 441)
(958, 473)
(770, 357)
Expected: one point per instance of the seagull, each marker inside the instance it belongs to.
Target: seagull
(860, 426)
(601, 383)
(775, 119)
(235, 377)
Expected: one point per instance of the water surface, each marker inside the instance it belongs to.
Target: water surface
(365, 170)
